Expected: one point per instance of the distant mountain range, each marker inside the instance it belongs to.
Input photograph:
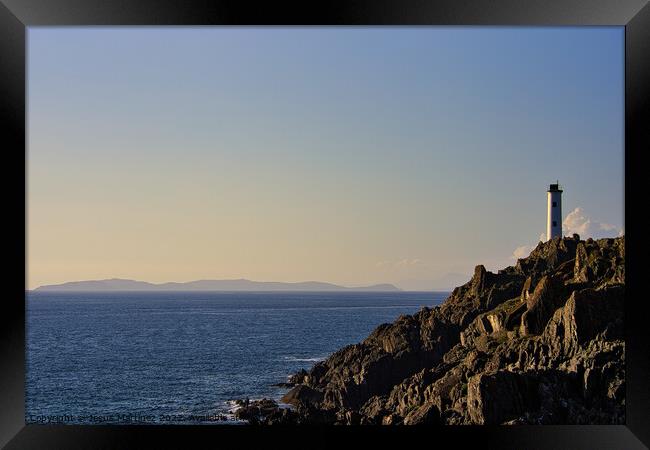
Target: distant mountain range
(116, 284)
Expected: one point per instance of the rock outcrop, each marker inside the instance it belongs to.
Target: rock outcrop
(540, 342)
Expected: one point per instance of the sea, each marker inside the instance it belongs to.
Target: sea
(185, 357)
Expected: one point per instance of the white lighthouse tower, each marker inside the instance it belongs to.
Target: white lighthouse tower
(554, 217)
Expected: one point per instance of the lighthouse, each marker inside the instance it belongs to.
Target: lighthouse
(554, 217)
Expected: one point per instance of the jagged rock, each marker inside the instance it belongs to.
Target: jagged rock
(352, 375)
(549, 295)
(538, 342)
(256, 410)
(494, 398)
(374, 410)
(445, 392)
(499, 321)
(298, 377)
(304, 395)
(586, 313)
(547, 256)
(282, 416)
(525, 290)
(484, 291)
(426, 414)
(600, 260)
(391, 419)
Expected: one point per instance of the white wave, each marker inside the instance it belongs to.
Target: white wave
(296, 359)
(231, 408)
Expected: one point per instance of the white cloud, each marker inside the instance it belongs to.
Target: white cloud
(579, 222)
(575, 222)
(522, 251)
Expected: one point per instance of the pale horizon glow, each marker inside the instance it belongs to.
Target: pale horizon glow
(354, 156)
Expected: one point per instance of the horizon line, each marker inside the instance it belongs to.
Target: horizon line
(60, 286)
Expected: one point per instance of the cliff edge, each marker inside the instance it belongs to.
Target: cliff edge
(540, 342)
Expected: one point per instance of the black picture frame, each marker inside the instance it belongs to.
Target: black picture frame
(17, 15)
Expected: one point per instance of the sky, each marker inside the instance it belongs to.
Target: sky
(404, 155)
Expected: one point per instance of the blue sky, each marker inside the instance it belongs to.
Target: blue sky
(350, 155)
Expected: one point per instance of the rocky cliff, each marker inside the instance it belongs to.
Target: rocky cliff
(540, 342)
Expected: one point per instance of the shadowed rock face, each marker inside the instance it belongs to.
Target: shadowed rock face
(540, 306)
(538, 342)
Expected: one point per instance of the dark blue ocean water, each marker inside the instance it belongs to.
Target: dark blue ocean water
(161, 357)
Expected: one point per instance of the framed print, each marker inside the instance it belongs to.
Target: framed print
(362, 217)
